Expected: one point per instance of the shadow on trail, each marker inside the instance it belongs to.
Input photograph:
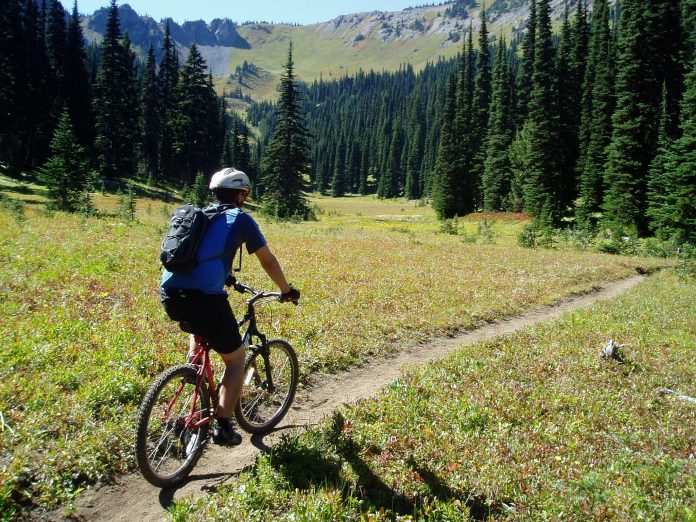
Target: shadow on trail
(213, 481)
(305, 466)
(166, 495)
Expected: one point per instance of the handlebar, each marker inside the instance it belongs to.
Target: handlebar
(256, 295)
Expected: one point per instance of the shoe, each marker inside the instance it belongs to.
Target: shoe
(228, 436)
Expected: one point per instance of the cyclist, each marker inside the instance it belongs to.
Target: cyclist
(197, 298)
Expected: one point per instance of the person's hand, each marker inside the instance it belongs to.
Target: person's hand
(292, 296)
(231, 280)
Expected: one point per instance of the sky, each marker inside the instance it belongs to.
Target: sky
(291, 11)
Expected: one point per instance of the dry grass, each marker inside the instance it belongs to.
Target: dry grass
(84, 333)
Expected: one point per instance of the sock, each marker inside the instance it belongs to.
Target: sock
(224, 423)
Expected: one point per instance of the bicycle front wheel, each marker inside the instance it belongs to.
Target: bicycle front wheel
(168, 444)
(270, 382)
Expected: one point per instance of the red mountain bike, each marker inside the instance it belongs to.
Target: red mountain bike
(173, 420)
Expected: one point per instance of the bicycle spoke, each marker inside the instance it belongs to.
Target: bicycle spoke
(268, 388)
(166, 447)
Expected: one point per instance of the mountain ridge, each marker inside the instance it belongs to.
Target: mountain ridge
(377, 40)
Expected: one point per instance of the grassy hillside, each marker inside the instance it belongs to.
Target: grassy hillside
(84, 334)
(533, 426)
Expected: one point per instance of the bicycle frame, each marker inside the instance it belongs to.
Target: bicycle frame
(201, 358)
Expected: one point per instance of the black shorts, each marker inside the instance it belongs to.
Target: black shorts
(207, 315)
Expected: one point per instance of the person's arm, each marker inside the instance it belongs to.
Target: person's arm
(272, 267)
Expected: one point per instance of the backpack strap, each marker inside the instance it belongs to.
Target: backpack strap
(220, 209)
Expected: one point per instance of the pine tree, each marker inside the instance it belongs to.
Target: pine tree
(114, 103)
(566, 93)
(464, 177)
(167, 78)
(56, 34)
(195, 120)
(480, 110)
(634, 136)
(497, 174)
(677, 214)
(596, 120)
(541, 184)
(390, 182)
(524, 84)
(412, 188)
(200, 194)
(66, 174)
(339, 182)
(149, 117)
(10, 62)
(658, 187)
(33, 92)
(287, 157)
(227, 157)
(519, 155)
(76, 84)
(446, 183)
(688, 24)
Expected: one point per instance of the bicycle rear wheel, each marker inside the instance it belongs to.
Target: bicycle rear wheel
(166, 447)
(270, 382)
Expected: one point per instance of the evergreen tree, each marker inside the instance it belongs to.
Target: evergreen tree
(66, 174)
(688, 26)
(635, 121)
(149, 117)
(390, 182)
(412, 188)
(76, 83)
(244, 161)
(658, 187)
(464, 178)
(446, 183)
(541, 183)
(596, 120)
(287, 158)
(10, 38)
(524, 84)
(56, 34)
(200, 193)
(497, 174)
(566, 94)
(339, 182)
(519, 156)
(114, 103)
(227, 157)
(677, 214)
(480, 110)
(167, 78)
(195, 120)
(33, 92)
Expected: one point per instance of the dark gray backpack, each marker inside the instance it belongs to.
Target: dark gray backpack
(187, 227)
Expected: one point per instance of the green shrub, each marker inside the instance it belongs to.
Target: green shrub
(485, 231)
(449, 226)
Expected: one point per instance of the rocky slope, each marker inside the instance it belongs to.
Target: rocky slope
(374, 40)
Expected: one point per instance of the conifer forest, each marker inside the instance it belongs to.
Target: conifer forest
(589, 122)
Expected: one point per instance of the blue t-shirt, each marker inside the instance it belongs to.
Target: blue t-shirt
(225, 233)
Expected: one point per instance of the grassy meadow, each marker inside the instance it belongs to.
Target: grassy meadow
(531, 426)
(84, 333)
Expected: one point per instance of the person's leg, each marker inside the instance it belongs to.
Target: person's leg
(231, 385)
(193, 345)
(230, 391)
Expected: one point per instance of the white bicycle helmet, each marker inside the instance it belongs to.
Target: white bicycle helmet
(230, 178)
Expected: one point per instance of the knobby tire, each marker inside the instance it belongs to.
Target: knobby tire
(260, 408)
(166, 449)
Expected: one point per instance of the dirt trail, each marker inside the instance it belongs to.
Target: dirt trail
(131, 498)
